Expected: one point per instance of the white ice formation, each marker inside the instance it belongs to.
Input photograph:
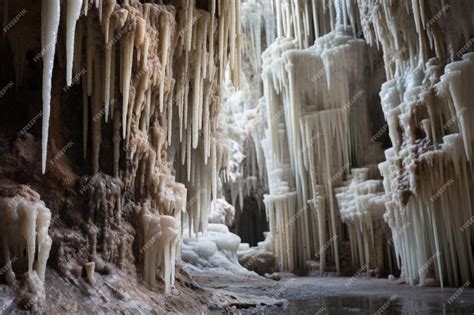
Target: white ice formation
(322, 139)
(223, 213)
(243, 117)
(317, 112)
(50, 16)
(427, 106)
(215, 250)
(361, 201)
(25, 222)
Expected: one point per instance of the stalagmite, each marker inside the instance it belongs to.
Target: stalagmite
(90, 267)
(26, 221)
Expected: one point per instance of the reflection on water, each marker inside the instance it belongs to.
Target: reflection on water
(371, 305)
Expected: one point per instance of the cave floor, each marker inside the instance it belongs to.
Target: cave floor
(121, 293)
(344, 295)
(217, 292)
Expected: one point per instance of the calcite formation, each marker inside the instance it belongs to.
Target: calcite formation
(427, 171)
(323, 119)
(151, 78)
(25, 221)
(361, 201)
(321, 132)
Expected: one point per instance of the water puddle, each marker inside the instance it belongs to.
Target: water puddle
(371, 305)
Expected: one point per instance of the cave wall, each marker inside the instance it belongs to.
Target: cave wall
(365, 132)
(109, 107)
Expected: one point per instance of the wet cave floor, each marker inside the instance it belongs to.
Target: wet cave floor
(343, 295)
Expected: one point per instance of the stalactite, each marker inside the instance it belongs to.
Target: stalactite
(50, 15)
(149, 41)
(308, 116)
(426, 173)
(330, 116)
(73, 13)
(362, 205)
(126, 73)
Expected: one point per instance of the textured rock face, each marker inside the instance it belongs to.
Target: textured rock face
(124, 96)
(261, 258)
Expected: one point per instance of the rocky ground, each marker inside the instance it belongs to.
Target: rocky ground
(119, 293)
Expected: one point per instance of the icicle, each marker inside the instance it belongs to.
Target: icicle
(109, 27)
(109, 6)
(109, 64)
(86, 6)
(127, 57)
(165, 43)
(78, 62)
(214, 170)
(73, 13)
(50, 15)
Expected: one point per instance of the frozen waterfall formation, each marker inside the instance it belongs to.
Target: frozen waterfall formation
(316, 118)
(151, 78)
(427, 103)
(247, 179)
